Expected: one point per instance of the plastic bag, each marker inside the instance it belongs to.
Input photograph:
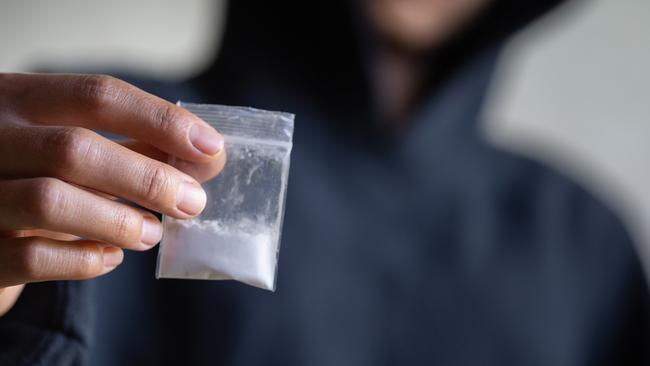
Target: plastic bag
(237, 236)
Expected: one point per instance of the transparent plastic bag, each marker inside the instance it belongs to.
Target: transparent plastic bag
(237, 236)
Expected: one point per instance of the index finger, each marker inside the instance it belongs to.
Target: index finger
(105, 103)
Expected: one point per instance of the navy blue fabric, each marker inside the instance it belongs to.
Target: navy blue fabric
(51, 324)
(425, 246)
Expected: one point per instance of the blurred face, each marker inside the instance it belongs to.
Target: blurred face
(420, 25)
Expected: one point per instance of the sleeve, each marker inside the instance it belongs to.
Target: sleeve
(50, 324)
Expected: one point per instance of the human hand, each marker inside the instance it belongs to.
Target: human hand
(59, 180)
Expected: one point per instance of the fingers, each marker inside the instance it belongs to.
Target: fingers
(108, 104)
(8, 297)
(51, 204)
(201, 171)
(36, 259)
(82, 157)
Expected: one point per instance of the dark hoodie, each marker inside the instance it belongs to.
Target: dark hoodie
(423, 247)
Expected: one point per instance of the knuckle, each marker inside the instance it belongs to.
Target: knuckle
(5, 83)
(31, 260)
(71, 147)
(84, 265)
(10, 86)
(156, 184)
(38, 261)
(96, 91)
(167, 117)
(45, 201)
(125, 227)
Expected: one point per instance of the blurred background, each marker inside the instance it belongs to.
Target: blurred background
(159, 39)
(571, 91)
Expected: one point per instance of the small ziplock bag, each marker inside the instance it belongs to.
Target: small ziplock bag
(237, 236)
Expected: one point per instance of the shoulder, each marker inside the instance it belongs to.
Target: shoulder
(562, 216)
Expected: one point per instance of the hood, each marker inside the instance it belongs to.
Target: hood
(319, 47)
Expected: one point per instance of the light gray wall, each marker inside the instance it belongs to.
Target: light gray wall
(161, 38)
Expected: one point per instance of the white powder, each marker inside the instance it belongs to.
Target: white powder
(202, 249)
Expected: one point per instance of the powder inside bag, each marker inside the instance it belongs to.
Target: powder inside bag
(205, 249)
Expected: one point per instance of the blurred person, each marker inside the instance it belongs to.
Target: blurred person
(407, 239)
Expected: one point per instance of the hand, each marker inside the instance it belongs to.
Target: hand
(59, 180)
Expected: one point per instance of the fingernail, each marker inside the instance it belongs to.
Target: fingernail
(191, 199)
(112, 257)
(205, 139)
(151, 231)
